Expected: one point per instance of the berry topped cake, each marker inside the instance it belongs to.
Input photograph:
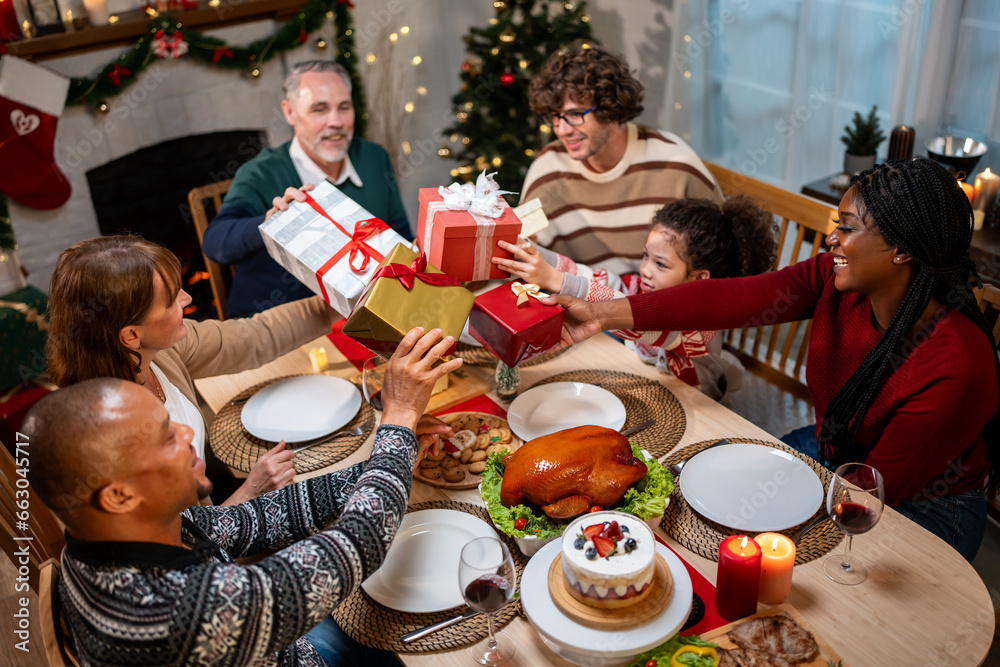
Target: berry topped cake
(608, 559)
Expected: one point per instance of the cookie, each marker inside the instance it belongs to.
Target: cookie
(455, 475)
(435, 457)
(450, 463)
(466, 455)
(482, 441)
(427, 464)
(432, 473)
(505, 434)
(477, 467)
(495, 435)
(479, 455)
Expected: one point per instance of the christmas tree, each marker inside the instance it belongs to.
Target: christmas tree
(495, 127)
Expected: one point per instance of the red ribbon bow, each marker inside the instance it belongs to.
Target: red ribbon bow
(409, 274)
(115, 75)
(355, 245)
(221, 53)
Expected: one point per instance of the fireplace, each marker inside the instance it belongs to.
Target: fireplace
(145, 193)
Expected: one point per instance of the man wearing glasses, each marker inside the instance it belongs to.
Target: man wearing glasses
(604, 177)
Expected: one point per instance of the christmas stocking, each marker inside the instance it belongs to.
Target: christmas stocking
(31, 101)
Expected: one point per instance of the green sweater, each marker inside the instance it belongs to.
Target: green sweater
(233, 237)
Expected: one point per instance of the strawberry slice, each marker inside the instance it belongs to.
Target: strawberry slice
(590, 531)
(604, 546)
(612, 531)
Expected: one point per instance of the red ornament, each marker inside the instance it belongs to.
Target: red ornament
(115, 75)
(465, 67)
(350, 5)
(303, 35)
(221, 53)
(507, 79)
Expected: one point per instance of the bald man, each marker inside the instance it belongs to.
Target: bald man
(148, 576)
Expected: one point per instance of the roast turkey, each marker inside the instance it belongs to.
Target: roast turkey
(568, 472)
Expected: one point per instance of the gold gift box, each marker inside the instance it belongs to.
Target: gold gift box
(388, 310)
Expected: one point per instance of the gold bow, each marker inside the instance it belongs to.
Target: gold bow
(30, 314)
(524, 291)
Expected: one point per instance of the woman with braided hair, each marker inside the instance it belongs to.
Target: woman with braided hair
(902, 370)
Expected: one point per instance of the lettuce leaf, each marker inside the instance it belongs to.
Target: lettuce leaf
(646, 499)
(665, 651)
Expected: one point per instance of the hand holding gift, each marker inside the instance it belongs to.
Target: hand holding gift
(529, 266)
(514, 324)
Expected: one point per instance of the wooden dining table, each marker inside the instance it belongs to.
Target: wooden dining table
(922, 604)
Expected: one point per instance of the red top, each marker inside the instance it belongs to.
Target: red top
(924, 431)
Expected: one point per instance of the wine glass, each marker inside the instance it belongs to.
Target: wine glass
(854, 501)
(372, 375)
(487, 578)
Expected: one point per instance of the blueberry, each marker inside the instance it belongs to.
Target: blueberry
(580, 541)
(624, 528)
(591, 553)
(630, 545)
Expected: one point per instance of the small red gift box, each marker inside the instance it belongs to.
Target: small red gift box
(512, 332)
(462, 243)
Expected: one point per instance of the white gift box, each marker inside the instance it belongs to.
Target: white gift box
(303, 242)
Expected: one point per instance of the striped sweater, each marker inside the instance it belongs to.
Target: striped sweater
(137, 603)
(603, 219)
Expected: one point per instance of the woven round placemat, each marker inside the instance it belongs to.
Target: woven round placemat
(374, 625)
(703, 537)
(480, 356)
(238, 449)
(644, 399)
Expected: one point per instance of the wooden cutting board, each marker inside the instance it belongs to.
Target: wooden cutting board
(826, 653)
(463, 384)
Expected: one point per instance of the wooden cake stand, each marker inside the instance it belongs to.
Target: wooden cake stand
(646, 609)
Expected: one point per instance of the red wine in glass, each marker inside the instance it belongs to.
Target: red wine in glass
(488, 593)
(854, 518)
(376, 400)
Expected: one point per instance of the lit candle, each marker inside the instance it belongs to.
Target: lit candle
(738, 578)
(969, 191)
(97, 11)
(987, 184)
(978, 218)
(777, 561)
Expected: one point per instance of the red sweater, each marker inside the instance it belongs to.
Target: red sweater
(924, 431)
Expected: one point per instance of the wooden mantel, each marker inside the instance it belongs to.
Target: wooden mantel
(132, 25)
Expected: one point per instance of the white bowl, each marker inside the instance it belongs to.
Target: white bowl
(530, 545)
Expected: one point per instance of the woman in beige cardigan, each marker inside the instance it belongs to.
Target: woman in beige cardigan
(116, 310)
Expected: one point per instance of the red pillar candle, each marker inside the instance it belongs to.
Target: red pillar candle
(10, 28)
(738, 579)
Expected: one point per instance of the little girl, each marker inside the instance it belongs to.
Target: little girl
(689, 239)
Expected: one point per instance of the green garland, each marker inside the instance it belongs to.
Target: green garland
(122, 72)
(6, 230)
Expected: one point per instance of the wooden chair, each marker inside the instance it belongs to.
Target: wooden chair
(219, 276)
(803, 222)
(22, 517)
(989, 302)
(55, 635)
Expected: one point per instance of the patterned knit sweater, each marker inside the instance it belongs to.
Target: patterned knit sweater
(603, 219)
(924, 432)
(136, 603)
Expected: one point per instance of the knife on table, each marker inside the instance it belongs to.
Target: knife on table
(423, 632)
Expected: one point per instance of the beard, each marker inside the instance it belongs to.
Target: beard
(331, 155)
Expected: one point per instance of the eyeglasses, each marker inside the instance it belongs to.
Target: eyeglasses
(573, 118)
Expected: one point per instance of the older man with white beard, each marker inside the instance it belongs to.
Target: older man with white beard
(318, 106)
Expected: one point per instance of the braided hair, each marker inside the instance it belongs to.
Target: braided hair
(919, 208)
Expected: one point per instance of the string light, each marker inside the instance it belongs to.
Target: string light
(585, 19)
(523, 64)
(393, 37)
(544, 129)
(371, 58)
(444, 152)
(406, 147)
(507, 36)
(454, 137)
(529, 152)
(469, 105)
(417, 60)
(408, 107)
(405, 29)
(462, 116)
(320, 43)
(687, 38)
(494, 21)
(454, 173)
(465, 141)
(114, 19)
(497, 161)
(494, 50)
(687, 75)
(421, 90)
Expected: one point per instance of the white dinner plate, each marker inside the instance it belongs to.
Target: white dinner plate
(553, 407)
(583, 645)
(420, 572)
(301, 408)
(751, 487)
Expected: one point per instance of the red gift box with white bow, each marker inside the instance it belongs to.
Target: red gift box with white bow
(513, 324)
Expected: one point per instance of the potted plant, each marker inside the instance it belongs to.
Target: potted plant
(862, 141)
